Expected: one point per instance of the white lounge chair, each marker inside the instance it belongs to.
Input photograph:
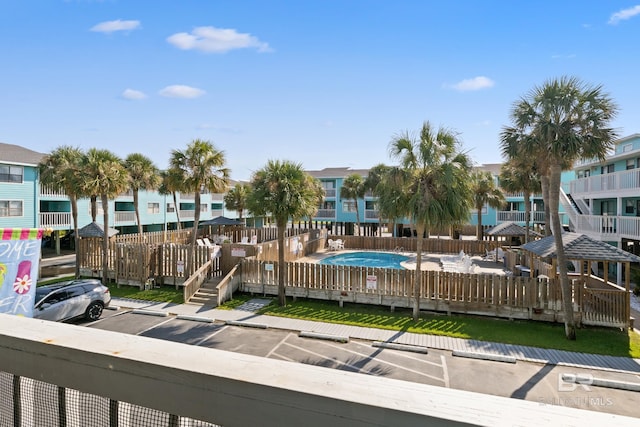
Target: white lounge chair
(339, 244)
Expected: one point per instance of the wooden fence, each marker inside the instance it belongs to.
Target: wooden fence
(512, 297)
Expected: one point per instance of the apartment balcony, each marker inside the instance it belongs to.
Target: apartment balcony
(46, 191)
(55, 220)
(608, 227)
(329, 192)
(624, 182)
(124, 217)
(187, 214)
(371, 214)
(537, 217)
(326, 214)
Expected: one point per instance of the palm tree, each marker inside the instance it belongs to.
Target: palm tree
(353, 187)
(236, 198)
(170, 184)
(437, 193)
(61, 169)
(285, 191)
(387, 184)
(485, 192)
(105, 176)
(517, 176)
(559, 122)
(143, 175)
(201, 167)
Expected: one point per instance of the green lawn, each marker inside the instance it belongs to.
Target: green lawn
(162, 294)
(537, 334)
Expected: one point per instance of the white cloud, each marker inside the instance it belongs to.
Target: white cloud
(624, 14)
(181, 91)
(475, 83)
(133, 94)
(117, 25)
(216, 40)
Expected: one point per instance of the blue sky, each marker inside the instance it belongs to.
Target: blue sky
(323, 83)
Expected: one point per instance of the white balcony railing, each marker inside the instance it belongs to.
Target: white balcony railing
(329, 192)
(519, 216)
(326, 213)
(122, 217)
(55, 219)
(608, 227)
(46, 191)
(624, 180)
(372, 214)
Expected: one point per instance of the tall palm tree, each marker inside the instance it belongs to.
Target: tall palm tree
(485, 192)
(107, 177)
(436, 183)
(61, 169)
(171, 184)
(387, 184)
(562, 121)
(143, 175)
(236, 198)
(517, 176)
(283, 190)
(202, 167)
(353, 187)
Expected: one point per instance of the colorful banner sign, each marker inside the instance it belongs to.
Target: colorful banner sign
(19, 262)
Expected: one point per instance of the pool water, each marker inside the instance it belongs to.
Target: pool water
(367, 259)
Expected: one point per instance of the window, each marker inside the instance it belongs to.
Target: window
(607, 169)
(627, 148)
(631, 164)
(10, 207)
(629, 207)
(329, 188)
(11, 173)
(153, 208)
(216, 206)
(348, 206)
(171, 208)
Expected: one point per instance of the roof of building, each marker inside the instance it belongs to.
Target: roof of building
(579, 247)
(509, 229)
(10, 153)
(338, 172)
(95, 230)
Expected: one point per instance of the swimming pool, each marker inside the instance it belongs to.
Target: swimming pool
(367, 259)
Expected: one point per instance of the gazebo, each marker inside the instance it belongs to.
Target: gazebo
(96, 230)
(583, 251)
(510, 230)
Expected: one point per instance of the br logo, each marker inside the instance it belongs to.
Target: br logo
(570, 382)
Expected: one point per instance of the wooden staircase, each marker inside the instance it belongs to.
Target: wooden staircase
(207, 294)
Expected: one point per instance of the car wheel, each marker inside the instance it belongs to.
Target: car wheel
(94, 311)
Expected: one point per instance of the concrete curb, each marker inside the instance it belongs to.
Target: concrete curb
(317, 335)
(113, 307)
(599, 382)
(194, 318)
(485, 356)
(401, 347)
(150, 312)
(246, 324)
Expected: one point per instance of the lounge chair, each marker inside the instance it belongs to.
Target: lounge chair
(339, 244)
(332, 245)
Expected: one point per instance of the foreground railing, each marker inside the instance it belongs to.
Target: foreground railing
(54, 374)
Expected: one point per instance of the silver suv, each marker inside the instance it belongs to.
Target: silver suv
(69, 300)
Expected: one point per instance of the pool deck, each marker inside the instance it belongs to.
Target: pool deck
(430, 262)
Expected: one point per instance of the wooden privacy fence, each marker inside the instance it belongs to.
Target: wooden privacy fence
(482, 294)
(409, 244)
(135, 263)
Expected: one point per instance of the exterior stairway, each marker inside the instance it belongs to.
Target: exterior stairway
(207, 294)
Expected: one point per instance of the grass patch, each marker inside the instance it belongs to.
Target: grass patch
(56, 280)
(163, 294)
(520, 332)
(237, 301)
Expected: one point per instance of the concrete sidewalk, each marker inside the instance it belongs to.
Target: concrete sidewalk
(246, 313)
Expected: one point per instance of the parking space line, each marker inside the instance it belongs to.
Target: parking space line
(358, 370)
(211, 335)
(445, 372)
(405, 355)
(388, 363)
(279, 344)
(155, 326)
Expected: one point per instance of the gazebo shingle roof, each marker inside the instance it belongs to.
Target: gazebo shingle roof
(95, 230)
(509, 229)
(579, 247)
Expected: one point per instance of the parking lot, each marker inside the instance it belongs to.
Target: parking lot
(522, 380)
